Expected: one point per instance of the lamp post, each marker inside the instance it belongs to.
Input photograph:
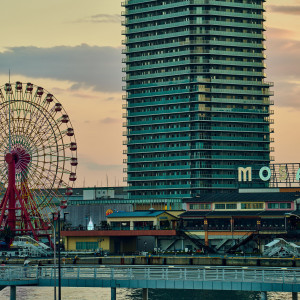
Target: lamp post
(59, 266)
(54, 249)
(56, 216)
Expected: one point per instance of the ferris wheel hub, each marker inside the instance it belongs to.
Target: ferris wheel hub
(8, 158)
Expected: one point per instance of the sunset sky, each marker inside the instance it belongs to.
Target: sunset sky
(72, 48)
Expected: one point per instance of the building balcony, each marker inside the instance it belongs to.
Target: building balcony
(154, 168)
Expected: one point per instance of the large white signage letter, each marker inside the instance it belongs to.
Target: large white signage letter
(261, 173)
(282, 173)
(245, 172)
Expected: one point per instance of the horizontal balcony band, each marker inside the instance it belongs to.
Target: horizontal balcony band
(193, 72)
(129, 3)
(205, 157)
(170, 187)
(204, 119)
(155, 28)
(191, 33)
(197, 110)
(139, 18)
(191, 149)
(175, 24)
(201, 61)
(204, 53)
(194, 43)
(200, 98)
(204, 166)
(132, 133)
(200, 138)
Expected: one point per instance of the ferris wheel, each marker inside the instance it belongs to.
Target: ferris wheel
(38, 157)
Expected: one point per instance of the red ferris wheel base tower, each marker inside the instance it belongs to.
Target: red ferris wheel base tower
(14, 214)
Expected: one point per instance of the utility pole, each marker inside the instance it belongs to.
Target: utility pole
(59, 266)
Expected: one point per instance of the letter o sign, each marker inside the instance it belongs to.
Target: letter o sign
(261, 173)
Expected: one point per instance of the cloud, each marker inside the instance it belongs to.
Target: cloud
(284, 9)
(109, 120)
(278, 33)
(101, 18)
(283, 59)
(95, 166)
(87, 66)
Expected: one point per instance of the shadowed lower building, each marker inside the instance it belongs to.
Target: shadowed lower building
(197, 104)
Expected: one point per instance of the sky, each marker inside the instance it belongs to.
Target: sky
(72, 48)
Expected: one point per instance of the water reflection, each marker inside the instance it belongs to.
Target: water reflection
(46, 293)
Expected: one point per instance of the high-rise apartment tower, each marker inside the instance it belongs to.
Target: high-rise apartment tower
(197, 105)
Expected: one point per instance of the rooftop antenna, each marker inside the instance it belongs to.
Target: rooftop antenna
(9, 133)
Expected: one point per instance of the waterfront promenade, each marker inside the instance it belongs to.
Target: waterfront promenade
(157, 277)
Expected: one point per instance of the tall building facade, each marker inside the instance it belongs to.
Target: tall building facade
(197, 104)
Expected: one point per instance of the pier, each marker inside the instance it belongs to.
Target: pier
(168, 277)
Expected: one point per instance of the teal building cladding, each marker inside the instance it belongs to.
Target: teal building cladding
(197, 104)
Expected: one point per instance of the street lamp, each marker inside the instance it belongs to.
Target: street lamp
(54, 249)
(56, 216)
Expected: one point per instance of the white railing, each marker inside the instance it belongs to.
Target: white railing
(233, 274)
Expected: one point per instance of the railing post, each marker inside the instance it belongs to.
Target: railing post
(113, 293)
(145, 294)
(204, 275)
(95, 273)
(263, 296)
(263, 275)
(78, 272)
(13, 292)
(184, 273)
(223, 274)
(112, 273)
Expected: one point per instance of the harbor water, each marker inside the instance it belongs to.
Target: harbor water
(68, 293)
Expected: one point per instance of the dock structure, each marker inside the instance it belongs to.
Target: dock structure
(161, 277)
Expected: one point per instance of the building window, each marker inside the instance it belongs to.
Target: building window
(273, 205)
(86, 246)
(200, 206)
(252, 205)
(219, 206)
(231, 206)
(279, 205)
(285, 205)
